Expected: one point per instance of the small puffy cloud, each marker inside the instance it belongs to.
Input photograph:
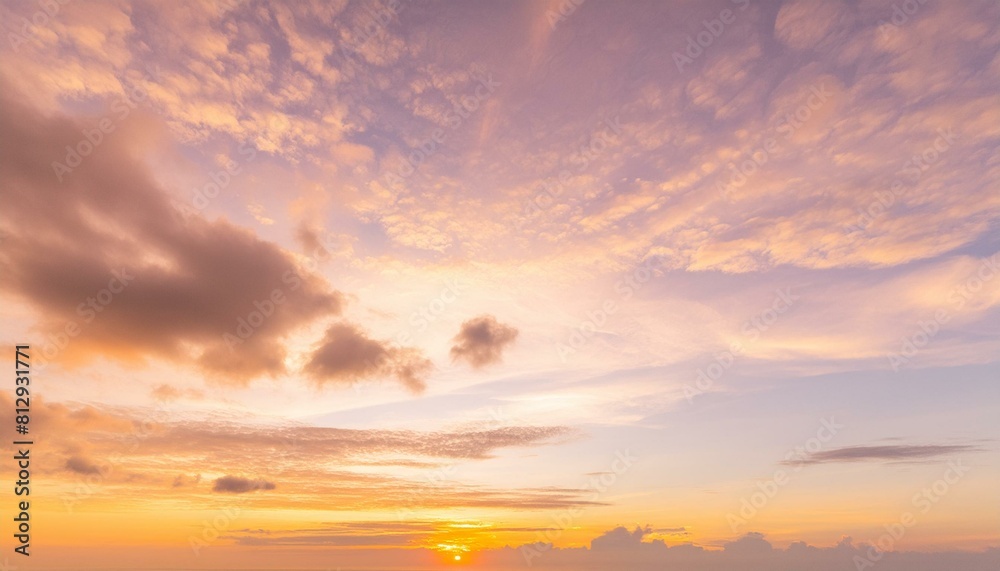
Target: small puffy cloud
(346, 355)
(82, 465)
(308, 239)
(240, 485)
(750, 544)
(481, 341)
(620, 538)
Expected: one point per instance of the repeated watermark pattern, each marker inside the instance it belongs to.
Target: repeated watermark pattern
(596, 487)
(924, 501)
(751, 330)
(120, 110)
(453, 119)
(741, 170)
(703, 39)
(766, 490)
(96, 473)
(219, 181)
(901, 14)
(546, 194)
(625, 288)
(40, 19)
(958, 297)
(907, 177)
(87, 310)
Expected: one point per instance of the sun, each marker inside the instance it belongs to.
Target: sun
(454, 553)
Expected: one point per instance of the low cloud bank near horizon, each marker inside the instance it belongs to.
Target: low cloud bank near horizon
(385, 544)
(621, 548)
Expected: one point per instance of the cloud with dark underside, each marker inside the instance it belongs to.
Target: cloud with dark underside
(886, 453)
(136, 278)
(620, 538)
(482, 340)
(347, 355)
(240, 485)
(623, 549)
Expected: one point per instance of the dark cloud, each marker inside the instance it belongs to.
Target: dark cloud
(239, 485)
(81, 465)
(105, 250)
(481, 341)
(346, 355)
(308, 239)
(887, 453)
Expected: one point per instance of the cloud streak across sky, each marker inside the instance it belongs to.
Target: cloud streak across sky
(891, 453)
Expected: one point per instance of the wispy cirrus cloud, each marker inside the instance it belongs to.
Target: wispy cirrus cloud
(886, 453)
(313, 465)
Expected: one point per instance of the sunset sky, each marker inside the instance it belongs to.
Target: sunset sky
(379, 284)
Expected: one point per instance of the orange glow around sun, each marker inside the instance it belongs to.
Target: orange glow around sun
(454, 554)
